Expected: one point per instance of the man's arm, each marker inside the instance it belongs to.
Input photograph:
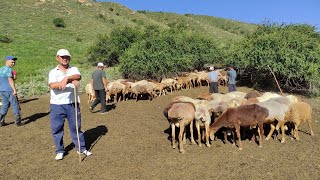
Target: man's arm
(65, 81)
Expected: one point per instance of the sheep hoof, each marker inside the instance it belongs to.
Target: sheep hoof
(208, 145)
(193, 142)
(182, 151)
(240, 148)
(282, 141)
(267, 138)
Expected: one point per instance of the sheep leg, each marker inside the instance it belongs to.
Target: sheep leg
(180, 138)
(207, 134)
(310, 126)
(239, 136)
(296, 135)
(173, 135)
(283, 138)
(191, 132)
(261, 134)
(198, 129)
(271, 131)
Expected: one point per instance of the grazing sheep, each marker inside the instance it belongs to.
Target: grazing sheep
(180, 114)
(277, 111)
(248, 115)
(203, 121)
(267, 95)
(252, 94)
(298, 113)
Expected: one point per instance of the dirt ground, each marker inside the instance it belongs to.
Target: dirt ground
(131, 141)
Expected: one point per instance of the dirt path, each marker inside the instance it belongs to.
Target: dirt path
(131, 142)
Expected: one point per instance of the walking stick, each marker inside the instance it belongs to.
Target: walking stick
(276, 80)
(76, 112)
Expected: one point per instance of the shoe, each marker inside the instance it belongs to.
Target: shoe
(18, 124)
(91, 109)
(103, 112)
(59, 156)
(85, 152)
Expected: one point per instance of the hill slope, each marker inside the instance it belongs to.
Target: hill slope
(35, 39)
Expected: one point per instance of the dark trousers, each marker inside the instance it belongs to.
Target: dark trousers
(213, 87)
(58, 114)
(100, 98)
(232, 87)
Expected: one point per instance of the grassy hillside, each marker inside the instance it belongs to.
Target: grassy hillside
(35, 39)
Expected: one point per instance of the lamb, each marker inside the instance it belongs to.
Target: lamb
(298, 113)
(180, 114)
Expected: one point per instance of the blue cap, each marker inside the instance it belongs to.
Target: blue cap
(10, 58)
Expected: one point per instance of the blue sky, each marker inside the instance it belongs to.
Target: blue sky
(251, 11)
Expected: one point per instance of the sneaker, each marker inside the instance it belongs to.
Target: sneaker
(85, 152)
(59, 156)
(104, 112)
(91, 109)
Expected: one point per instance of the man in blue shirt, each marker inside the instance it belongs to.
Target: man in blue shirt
(8, 92)
(232, 75)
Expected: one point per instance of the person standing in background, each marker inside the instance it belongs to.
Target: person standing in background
(99, 85)
(232, 75)
(8, 92)
(213, 78)
(62, 81)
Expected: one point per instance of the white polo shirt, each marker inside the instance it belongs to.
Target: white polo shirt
(65, 96)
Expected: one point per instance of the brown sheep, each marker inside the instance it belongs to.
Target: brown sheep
(252, 94)
(248, 115)
(298, 113)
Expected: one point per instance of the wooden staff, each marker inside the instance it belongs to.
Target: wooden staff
(76, 112)
(276, 80)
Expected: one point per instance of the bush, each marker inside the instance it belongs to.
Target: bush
(291, 51)
(5, 39)
(58, 22)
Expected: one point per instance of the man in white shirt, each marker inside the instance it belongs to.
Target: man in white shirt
(213, 78)
(62, 81)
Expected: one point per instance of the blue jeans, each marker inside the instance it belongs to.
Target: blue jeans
(9, 99)
(232, 87)
(58, 113)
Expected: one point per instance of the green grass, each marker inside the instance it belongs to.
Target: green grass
(35, 38)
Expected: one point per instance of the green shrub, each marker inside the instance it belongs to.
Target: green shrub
(58, 22)
(111, 9)
(291, 51)
(5, 39)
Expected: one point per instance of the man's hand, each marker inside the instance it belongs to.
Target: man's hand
(76, 83)
(63, 83)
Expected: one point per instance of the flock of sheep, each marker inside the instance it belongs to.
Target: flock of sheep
(233, 110)
(125, 89)
(210, 112)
